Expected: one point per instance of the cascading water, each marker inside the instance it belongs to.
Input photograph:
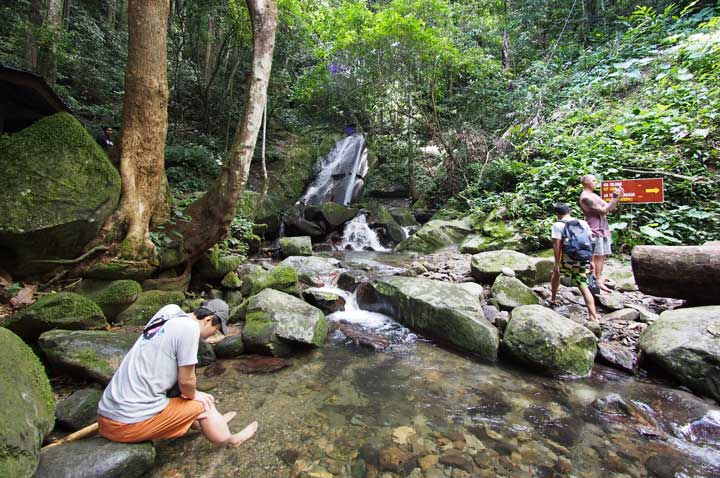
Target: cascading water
(339, 177)
(359, 237)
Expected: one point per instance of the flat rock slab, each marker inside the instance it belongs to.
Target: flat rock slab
(96, 457)
(86, 353)
(511, 292)
(486, 266)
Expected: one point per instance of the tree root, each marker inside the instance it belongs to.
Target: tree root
(71, 261)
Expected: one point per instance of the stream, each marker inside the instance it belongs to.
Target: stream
(419, 410)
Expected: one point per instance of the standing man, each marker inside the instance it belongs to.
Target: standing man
(575, 271)
(596, 211)
(104, 139)
(135, 406)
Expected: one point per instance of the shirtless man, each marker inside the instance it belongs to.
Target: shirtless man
(596, 211)
(135, 406)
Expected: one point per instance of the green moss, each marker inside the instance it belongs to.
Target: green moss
(147, 304)
(231, 281)
(320, 333)
(283, 278)
(258, 329)
(92, 360)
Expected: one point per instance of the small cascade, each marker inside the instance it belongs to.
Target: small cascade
(359, 237)
(340, 176)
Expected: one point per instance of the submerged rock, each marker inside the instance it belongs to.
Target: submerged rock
(617, 356)
(443, 311)
(686, 344)
(436, 235)
(87, 354)
(28, 407)
(274, 321)
(296, 246)
(543, 338)
(259, 364)
(95, 457)
(64, 310)
(79, 409)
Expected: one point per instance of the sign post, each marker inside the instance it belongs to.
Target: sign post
(637, 191)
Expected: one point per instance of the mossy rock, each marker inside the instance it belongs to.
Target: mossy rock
(282, 278)
(295, 246)
(117, 269)
(393, 231)
(326, 301)
(213, 266)
(486, 266)
(403, 216)
(78, 410)
(28, 407)
(510, 292)
(336, 214)
(231, 281)
(64, 310)
(112, 296)
(312, 270)
(58, 189)
(206, 354)
(230, 347)
(540, 337)
(147, 304)
(86, 354)
(436, 235)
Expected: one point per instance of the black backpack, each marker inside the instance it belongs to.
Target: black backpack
(576, 243)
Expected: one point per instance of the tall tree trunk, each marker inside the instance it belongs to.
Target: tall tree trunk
(212, 214)
(111, 13)
(36, 22)
(144, 120)
(47, 49)
(506, 50)
(209, 43)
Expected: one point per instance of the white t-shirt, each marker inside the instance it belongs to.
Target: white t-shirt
(137, 390)
(558, 228)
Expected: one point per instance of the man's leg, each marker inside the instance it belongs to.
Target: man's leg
(214, 427)
(554, 284)
(598, 265)
(589, 302)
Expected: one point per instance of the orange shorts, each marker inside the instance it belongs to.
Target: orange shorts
(174, 421)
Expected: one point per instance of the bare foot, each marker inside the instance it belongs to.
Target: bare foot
(239, 438)
(229, 416)
(605, 288)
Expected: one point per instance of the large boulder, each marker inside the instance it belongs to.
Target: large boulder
(393, 232)
(283, 278)
(441, 310)
(312, 270)
(64, 310)
(404, 217)
(79, 409)
(28, 407)
(86, 354)
(510, 292)
(686, 344)
(436, 235)
(147, 303)
(214, 266)
(334, 214)
(295, 246)
(486, 266)
(112, 296)
(324, 300)
(274, 321)
(96, 457)
(541, 337)
(58, 188)
(230, 347)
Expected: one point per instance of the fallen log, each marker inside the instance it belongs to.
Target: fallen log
(691, 273)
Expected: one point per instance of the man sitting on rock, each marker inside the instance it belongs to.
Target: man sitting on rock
(135, 406)
(576, 272)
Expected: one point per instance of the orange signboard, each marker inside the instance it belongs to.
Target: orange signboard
(637, 191)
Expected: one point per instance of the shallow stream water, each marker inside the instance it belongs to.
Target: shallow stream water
(421, 411)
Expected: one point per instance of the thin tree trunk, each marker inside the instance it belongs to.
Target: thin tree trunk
(266, 182)
(212, 214)
(111, 13)
(209, 43)
(144, 119)
(31, 47)
(47, 51)
(506, 50)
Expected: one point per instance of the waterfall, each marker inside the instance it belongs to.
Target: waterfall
(341, 174)
(359, 236)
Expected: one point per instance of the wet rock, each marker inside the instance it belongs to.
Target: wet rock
(231, 281)
(94, 457)
(79, 409)
(627, 315)
(440, 310)
(539, 336)
(283, 278)
(401, 435)
(617, 356)
(213, 267)
(336, 214)
(289, 456)
(350, 280)
(206, 354)
(274, 321)
(112, 296)
(487, 266)
(612, 301)
(394, 459)
(64, 310)
(428, 461)
(457, 461)
(491, 313)
(147, 304)
(360, 336)
(624, 280)
(436, 235)
(230, 347)
(312, 270)
(326, 301)
(614, 409)
(510, 292)
(392, 231)
(260, 364)
(295, 246)
(94, 355)
(686, 344)
(28, 406)
(403, 216)
(644, 314)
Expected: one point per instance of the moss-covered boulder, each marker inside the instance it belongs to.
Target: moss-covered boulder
(116, 269)
(231, 281)
(336, 214)
(685, 343)
(276, 321)
(96, 457)
(393, 232)
(510, 292)
(230, 347)
(283, 278)
(486, 266)
(112, 296)
(79, 409)
(403, 216)
(147, 304)
(324, 300)
(312, 270)
(86, 354)
(28, 407)
(58, 187)
(436, 235)
(295, 246)
(540, 337)
(64, 310)
(213, 266)
(444, 311)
